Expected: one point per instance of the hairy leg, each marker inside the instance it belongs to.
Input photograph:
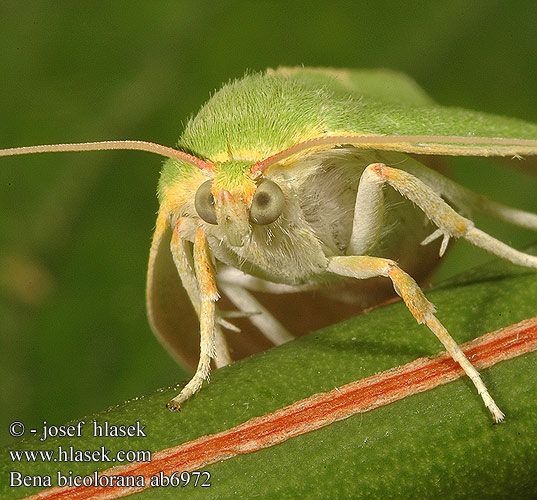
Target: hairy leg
(208, 296)
(363, 267)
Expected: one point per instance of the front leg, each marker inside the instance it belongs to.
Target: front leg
(182, 258)
(363, 267)
(208, 295)
(368, 215)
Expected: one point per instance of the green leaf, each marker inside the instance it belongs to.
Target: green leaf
(440, 443)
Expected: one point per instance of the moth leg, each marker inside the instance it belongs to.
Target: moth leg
(223, 356)
(208, 297)
(182, 257)
(269, 326)
(467, 201)
(368, 214)
(363, 267)
(449, 222)
(233, 276)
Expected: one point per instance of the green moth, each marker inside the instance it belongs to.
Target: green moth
(304, 179)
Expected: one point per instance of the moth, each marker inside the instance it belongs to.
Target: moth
(306, 179)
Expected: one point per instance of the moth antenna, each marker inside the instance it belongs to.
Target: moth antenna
(414, 143)
(150, 147)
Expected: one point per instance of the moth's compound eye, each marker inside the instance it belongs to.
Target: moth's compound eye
(204, 203)
(267, 204)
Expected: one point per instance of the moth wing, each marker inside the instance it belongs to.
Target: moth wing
(382, 84)
(386, 110)
(171, 315)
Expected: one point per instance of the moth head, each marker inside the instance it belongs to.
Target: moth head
(235, 196)
(234, 201)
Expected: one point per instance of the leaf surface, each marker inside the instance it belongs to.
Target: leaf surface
(439, 442)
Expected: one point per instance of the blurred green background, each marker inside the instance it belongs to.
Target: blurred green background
(75, 229)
